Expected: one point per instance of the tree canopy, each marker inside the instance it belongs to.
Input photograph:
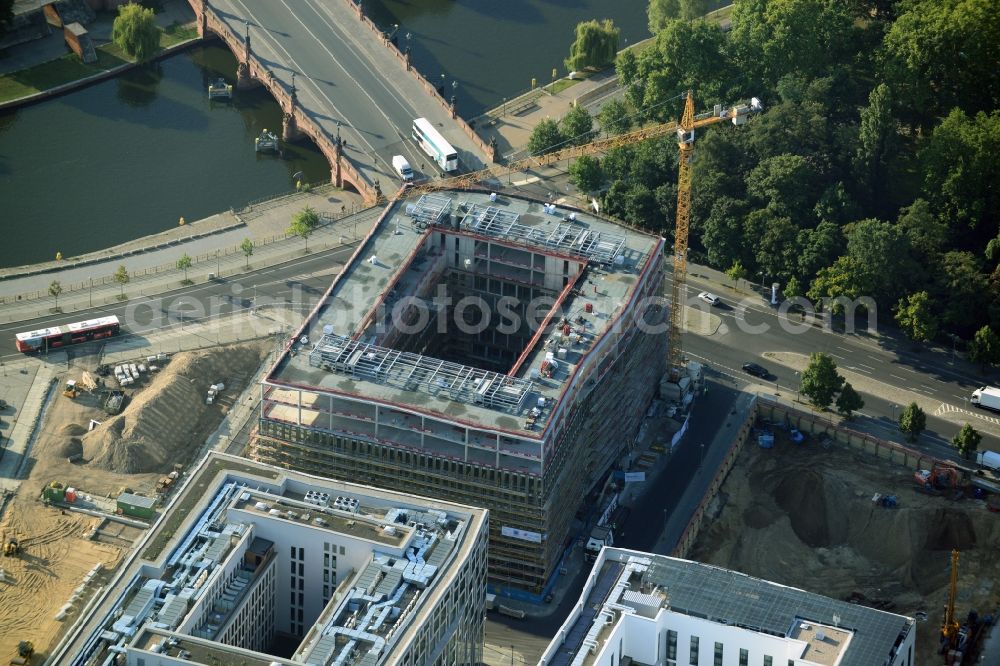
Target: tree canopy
(596, 45)
(820, 381)
(871, 172)
(134, 31)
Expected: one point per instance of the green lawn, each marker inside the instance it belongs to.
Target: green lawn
(69, 68)
(558, 86)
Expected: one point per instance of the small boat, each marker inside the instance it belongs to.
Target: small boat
(220, 90)
(267, 142)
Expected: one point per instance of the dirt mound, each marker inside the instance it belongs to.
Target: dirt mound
(168, 421)
(72, 447)
(73, 430)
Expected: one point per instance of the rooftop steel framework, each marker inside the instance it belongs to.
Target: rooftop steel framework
(429, 209)
(568, 237)
(413, 372)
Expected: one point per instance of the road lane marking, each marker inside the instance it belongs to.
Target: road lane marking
(867, 366)
(945, 409)
(898, 377)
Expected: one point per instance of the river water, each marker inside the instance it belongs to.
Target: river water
(130, 156)
(493, 48)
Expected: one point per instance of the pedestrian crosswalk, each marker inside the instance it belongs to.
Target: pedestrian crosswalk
(953, 412)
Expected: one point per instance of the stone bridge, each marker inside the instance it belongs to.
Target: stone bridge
(341, 83)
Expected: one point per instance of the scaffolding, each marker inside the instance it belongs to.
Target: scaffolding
(413, 372)
(568, 237)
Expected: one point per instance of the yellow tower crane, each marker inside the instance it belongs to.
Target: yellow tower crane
(685, 130)
(685, 141)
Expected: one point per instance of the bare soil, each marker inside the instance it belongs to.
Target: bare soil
(165, 422)
(803, 516)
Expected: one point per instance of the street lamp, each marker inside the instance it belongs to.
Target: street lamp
(798, 385)
(893, 406)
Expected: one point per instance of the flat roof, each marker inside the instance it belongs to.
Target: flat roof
(832, 629)
(388, 263)
(215, 523)
(137, 500)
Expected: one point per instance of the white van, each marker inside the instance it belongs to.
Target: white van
(402, 167)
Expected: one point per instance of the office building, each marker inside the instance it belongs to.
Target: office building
(496, 351)
(261, 566)
(638, 608)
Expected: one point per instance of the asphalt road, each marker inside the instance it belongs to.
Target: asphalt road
(345, 75)
(896, 364)
(298, 283)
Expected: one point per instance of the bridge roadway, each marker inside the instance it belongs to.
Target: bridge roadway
(343, 72)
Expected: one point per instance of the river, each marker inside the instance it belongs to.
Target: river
(494, 48)
(130, 156)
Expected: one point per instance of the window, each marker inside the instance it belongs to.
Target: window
(744, 657)
(768, 660)
(671, 644)
(718, 654)
(694, 651)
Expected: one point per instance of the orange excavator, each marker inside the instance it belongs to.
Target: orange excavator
(940, 477)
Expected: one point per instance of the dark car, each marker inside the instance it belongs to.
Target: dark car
(756, 370)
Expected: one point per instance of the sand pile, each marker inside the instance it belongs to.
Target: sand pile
(168, 421)
(803, 516)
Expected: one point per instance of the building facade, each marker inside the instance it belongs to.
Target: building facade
(401, 384)
(664, 611)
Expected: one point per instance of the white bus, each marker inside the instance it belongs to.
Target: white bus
(432, 143)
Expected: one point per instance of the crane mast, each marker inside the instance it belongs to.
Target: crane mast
(678, 285)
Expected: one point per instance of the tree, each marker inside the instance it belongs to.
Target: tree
(545, 138)
(927, 234)
(54, 290)
(938, 55)
(596, 45)
(247, 247)
(303, 223)
(6, 15)
(614, 117)
(966, 441)
(577, 126)
(661, 12)
(963, 289)
(882, 256)
(816, 247)
(985, 347)
(586, 174)
(785, 183)
(959, 167)
(915, 315)
(849, 401)
(792, 288)
(737, 272)
(184, 263)
(134, 31)
(121, 276)
(912, 421)
(820, 381)
(694, 9)
(877, 139)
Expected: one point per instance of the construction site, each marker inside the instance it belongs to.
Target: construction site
(104, 455)
(829, 519)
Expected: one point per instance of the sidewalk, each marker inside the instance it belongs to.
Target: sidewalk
(511, 123)
(155, 271)
(25, 386)
(54, 46)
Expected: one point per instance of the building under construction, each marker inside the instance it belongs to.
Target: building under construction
(498, 352)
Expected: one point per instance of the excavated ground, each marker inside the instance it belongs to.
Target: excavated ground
(165, 422)
(803, 516)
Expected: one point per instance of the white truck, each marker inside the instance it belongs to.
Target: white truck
(990, 459)
(599, 538)
(403, 168)
(987, 397)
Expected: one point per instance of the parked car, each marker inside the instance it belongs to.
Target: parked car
(756, 370)
(709, 298)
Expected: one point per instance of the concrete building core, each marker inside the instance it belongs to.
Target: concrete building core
(495, 351)
(641, 608)
(261, 566)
